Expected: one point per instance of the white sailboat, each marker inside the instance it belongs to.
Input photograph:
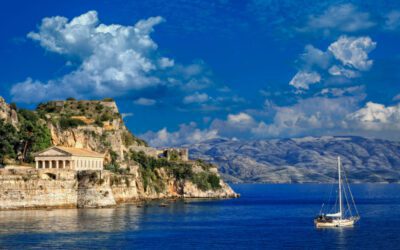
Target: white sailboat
(344, 217)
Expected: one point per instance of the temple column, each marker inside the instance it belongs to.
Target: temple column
(37, 164)
(57, 166)
(50, 164)
(64, 163)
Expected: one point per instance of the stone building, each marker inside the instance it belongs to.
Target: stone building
(174, 153)
(69, 158)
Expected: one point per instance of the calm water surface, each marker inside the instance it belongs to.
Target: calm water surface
(265, 217)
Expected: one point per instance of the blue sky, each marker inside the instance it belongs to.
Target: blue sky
(185, 71)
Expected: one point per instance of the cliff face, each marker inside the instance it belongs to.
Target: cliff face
(7, 113)
(94, 125)
(49, 188)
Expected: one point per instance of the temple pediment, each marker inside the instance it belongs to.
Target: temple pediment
(53, 152)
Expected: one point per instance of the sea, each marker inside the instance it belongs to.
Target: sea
(266, 216)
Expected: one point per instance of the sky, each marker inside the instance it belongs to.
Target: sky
(186, 71)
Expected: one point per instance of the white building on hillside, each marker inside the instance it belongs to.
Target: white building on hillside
(69, 158)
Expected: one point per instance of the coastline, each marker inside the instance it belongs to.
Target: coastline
(55, 189)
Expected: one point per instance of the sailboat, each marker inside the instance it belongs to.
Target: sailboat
(341, 216)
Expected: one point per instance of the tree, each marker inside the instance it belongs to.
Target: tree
(8, 141)
(34, 136)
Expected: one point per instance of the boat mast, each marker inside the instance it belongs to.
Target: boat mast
(340, 189)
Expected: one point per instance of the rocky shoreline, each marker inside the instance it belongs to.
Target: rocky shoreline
(53, 189)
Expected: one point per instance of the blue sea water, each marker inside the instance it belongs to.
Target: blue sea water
(264, 217)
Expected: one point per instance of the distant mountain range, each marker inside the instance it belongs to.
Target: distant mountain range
(302, 160)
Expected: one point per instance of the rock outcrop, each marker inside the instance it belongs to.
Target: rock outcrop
(8, 113)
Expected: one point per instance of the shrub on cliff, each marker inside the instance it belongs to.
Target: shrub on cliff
(206, 181)
(180, 170)
(66, 123)
(108, 99)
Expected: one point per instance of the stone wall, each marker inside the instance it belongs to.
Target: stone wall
(36, 189)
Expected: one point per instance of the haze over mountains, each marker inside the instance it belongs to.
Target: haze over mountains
(300, 160)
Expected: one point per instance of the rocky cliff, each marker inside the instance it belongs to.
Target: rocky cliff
(299, 160)
(134, 171)
(51, 188)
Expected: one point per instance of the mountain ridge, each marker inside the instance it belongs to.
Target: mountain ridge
(302, 160)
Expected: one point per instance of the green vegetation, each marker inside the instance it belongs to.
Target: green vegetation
(32, 136)
(71, 107)
(8, 141)
(129, 139)
(113, 166)
(108, 99)
(206, 181)
(173, 155)
(180, 170)
(67, 122)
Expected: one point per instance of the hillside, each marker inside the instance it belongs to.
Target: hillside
(301, 160)
(143, 171)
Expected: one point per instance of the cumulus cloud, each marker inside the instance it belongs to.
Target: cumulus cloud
(353, 51)
(145, 101)
(113, 58)
(196, 98)
(344, 59)
(242, 118)
(376, 117)
(186, 134)
(314, 115)
(303, 79)
(340, 18)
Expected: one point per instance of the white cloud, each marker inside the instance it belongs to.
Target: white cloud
(239, 118)
(392, 20)
(125, 115)
(196, 98)
(338, 92)
(239, 124)
(343, 58)
(316, 115)
(145, 101)
(303, 79)
(336, 70)
(113, 58)
(187, 134)
(165, 62)
(376, 117)
(353, 51)
(315, 57)
(341, 18)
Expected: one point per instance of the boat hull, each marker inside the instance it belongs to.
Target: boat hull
(335, 223)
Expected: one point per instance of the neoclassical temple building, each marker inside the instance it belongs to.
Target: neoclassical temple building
(69, 158)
